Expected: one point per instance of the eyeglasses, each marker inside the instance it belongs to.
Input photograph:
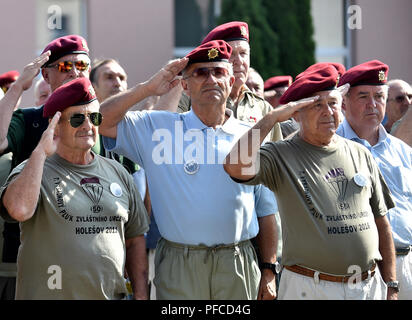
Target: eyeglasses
(77, 119)
(67, 66)
(401, 99)
(203, 73)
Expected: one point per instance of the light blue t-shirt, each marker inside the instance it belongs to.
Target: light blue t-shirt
(394, 158)
(194, 201)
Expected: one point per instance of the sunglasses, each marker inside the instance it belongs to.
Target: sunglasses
(77, 119)
(401, 99)
(67, 66)
(203, 73)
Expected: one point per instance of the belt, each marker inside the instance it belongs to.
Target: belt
(212, 249)
(328, 277)
(403, 251)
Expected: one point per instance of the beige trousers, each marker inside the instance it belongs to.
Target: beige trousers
(204, 273)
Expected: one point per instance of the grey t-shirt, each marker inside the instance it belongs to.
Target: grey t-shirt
(83, 216)
(328, 198)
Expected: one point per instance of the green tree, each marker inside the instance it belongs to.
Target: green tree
(281, 33)
(292, 21)
(263, 40)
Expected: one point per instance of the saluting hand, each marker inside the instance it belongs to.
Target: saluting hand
(165, 79)
(286, 111)
(31, 70)
(48, 142)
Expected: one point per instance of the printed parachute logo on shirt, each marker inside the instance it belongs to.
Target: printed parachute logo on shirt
(94, 190)
(339, 183)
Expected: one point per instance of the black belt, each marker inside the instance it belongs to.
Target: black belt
(403, 251)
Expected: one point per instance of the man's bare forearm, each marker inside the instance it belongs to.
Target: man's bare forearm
(7, 105)
(387, 266)
(137, 266)
(21, 196)
(115, 108)
(241, 160)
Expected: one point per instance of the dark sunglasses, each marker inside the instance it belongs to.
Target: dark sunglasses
(77, 119)
(401, 99)
(203, 73)
(67, 66)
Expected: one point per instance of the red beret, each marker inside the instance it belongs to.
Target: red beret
(63, 46)
(211, 51)
(321, 78)
(339, 67)
(278, 81)
(73, 93)
(235, 30)
(8, 77)
(372, 73)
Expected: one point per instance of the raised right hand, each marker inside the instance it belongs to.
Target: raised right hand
(48, 142)
(286, 111)
(31, 70)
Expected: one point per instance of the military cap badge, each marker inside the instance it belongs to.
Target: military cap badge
(243, 31)
(381, 76)
(212, 53)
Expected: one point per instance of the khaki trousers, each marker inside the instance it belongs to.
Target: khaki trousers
(185, 272)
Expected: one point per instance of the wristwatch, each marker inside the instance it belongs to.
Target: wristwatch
(275, 267)
(394, 285)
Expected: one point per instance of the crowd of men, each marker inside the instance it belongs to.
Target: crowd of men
(205, 181)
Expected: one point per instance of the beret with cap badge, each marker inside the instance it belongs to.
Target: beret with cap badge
(372, 73)
(230, 31)
(73, 93)
(321, 78)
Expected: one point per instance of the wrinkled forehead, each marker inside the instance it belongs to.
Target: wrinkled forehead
(368, 89)
(328, 95)
(93, 106)
(400, 88)
(239, 45)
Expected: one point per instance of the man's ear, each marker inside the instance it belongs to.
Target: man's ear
(45, 75)
(232, 80)
(185, 87)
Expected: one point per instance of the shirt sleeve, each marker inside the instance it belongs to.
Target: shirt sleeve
(132, 131)
(381, 200)
(138, 222)
(15, 134)
(13, 175)
(265, 201)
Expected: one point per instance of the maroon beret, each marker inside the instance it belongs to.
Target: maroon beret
(8, 77)
(321, 78)
(278, 81)
(211, 51)
(63, 46)
(231, 31)
(371, 73)
(73, 93)
(339, 67)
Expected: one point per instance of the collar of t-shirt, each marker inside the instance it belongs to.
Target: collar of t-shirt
(192, 122)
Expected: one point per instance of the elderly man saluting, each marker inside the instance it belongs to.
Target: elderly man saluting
(81, 217)
(332, 198)
(206, 220)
